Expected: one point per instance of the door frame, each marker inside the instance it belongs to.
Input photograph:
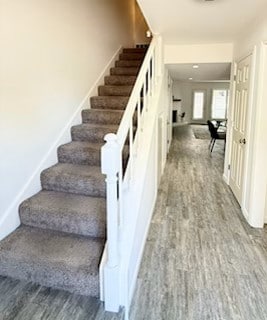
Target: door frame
(249, 133)
(258, 192)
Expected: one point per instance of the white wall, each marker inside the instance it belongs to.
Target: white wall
(184, 91)
(250, 37)
(51, 54)
(200, 53)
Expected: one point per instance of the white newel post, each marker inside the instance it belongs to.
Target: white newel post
(110, 164)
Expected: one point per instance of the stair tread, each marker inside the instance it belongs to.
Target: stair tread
(124, 70)
(80, 152)
(88, 126)
(82, 145)
(132, 56)
(66, 212)
(118, 112)
(128, 63)
(115, 90)
(96, 125)
(115, 98)
(120, 79)
(83, 170)
(129, 50)
(109, 102)
(102, 116)
(61, 260)
(92, 132)
(74, 178)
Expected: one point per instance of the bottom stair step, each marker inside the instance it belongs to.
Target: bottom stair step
(53, 259)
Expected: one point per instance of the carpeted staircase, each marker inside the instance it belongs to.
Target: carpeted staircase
(61, 239)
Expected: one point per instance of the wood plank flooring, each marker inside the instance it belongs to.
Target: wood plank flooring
(20, 300)
(201, 261)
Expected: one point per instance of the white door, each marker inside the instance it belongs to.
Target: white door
(239, 127)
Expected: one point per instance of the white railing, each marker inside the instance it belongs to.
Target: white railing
(118, 157)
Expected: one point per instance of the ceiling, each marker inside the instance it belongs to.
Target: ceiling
(206, 72)
(199, 21)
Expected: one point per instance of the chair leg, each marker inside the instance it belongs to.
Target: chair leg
(212, 146)
(210, 143)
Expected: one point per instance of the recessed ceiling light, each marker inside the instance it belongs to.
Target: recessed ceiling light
(190, 78)
(195, 66)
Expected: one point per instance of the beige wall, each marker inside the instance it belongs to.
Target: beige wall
(140, 27)
(184, 91)
(200, 53)
(252, 36)
(51, 54)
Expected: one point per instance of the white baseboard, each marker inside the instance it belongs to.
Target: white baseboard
(226, 179)
(10, 220)
(101, 272)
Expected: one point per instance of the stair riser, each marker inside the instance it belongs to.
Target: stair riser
(115, 90)
(124, 71)
(134, 50)
(73, 184)
(88, 286)
(112, 103)
(92, 135)
(120, 80)
(81, 156)
(128, 63)
(102, 116)
(132, 56)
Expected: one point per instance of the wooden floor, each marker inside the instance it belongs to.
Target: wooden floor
(26, 301)
(201, 261)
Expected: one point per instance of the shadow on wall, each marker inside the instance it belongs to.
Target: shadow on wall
(140, 27)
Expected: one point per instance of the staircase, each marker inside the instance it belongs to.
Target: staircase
(62, 234)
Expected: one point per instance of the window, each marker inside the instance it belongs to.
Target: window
(198, 107)
(219, 104)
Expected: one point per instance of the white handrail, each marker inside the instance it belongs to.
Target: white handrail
(128, 114)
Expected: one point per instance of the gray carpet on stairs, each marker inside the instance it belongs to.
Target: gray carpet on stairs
(74, 178)
(62, 236)
(59, 260)
(111, 103)
(65, 212)
(91, 132)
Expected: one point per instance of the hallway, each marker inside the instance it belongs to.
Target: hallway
(202, 260)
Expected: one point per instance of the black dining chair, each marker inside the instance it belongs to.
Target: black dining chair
(215, 135)
(182, 115)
